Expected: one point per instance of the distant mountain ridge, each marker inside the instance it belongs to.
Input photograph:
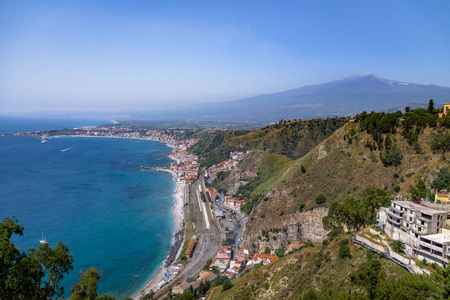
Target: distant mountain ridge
(337, 98)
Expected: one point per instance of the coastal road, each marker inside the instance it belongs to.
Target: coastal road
(209, 241)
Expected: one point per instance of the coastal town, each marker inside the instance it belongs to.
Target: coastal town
(207, 250)
(225, 262)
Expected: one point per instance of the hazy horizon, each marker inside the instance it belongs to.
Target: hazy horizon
(145, 56)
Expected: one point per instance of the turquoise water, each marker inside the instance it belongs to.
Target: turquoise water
(89, 197)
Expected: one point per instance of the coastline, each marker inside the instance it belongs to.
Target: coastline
(157, 280)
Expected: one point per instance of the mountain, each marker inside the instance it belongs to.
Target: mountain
(337, 98)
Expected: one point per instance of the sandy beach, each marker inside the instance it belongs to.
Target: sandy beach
(178, 216)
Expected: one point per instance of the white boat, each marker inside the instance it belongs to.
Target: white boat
(43, 241)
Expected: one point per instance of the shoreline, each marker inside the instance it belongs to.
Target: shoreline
(113, 137)
(157, 279)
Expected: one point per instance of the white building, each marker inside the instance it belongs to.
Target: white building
(434, 248)
(408, 221)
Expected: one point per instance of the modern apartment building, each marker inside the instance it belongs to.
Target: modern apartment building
(408, 221)
(434, 248)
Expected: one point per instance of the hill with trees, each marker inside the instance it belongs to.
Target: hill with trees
(292, 139)
(399, 153)
(335, 269)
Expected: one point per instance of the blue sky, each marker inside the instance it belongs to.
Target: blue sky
(147, 55)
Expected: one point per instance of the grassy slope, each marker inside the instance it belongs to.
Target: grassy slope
(290, 138)
(337, 169)
(318, 267)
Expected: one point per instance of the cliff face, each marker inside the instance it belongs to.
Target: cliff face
(305, 226)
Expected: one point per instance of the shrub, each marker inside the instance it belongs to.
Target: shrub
(344, 250)
(397, 246)
(227, 285)
(320, 199)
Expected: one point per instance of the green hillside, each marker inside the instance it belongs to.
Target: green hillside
(289, 138)
(401, 154)
(332, 270)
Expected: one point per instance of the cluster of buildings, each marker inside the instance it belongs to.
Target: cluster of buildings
(225, 166)
(425, 231)
(232, 266)
(232, 202)
(186, 166)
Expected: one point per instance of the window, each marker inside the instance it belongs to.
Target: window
(410, 218)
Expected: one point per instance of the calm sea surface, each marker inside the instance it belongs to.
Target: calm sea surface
(85, 193)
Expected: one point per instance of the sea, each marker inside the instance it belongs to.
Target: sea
(86, 193)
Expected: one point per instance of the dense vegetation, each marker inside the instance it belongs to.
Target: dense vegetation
(214, 148)
(37, 273)
(355, 213)
(412, 123)
(337, 269)
(289, 138)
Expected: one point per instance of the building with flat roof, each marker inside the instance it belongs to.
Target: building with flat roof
(435, 248)
(408, 221)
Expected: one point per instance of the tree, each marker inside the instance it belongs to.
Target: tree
(370, 276)
(34, 274)
(356, 212)
(391, 156)
(86, 287)
(344, 250)
(441, 143)
(431, 106)
(419, 191)
(303, 169)
(227, 285)
(442, 181)
(398, 246)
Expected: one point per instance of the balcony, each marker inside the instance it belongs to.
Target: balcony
(430, 253)
(390, 213)
(422, 232)
(394, 222)
(398, 210)
(424, 219)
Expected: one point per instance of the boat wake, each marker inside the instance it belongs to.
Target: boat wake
(64, 150)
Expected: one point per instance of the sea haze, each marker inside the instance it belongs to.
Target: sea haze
(86, 193)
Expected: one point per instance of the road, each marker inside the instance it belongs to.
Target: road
(209, 239)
